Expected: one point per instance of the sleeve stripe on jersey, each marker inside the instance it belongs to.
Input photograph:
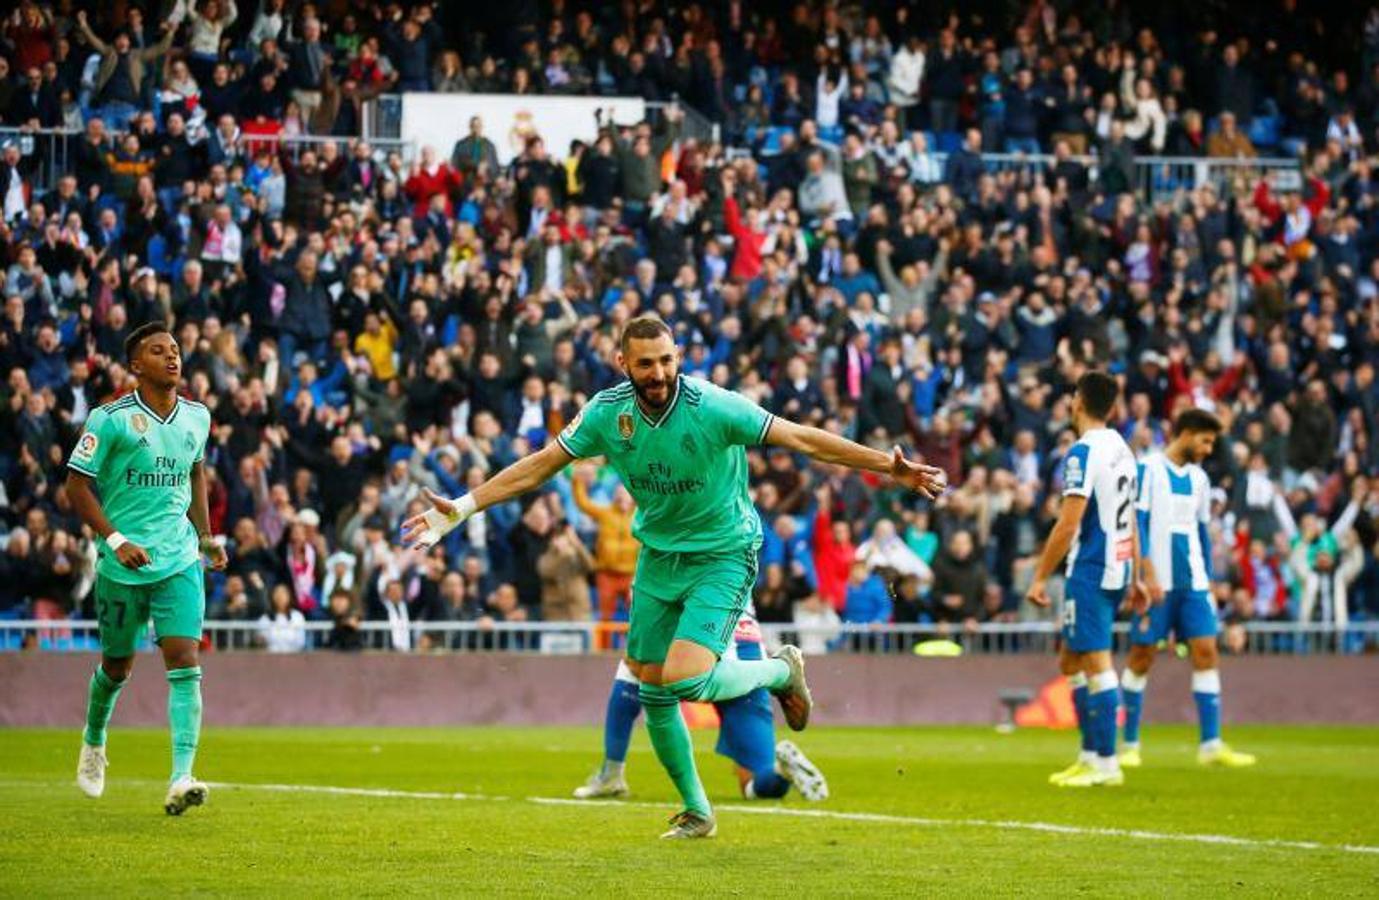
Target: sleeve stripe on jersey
(560, 439)
(86, 472)
(765, 427)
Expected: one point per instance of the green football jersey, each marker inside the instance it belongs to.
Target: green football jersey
(142, 467)
(687, 470)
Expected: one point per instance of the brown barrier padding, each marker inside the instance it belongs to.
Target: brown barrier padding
(49, 689)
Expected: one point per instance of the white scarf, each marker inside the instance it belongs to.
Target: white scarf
(400, 625)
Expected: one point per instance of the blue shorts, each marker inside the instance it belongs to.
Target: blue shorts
(747, 729)
(1088, 611)
(1187, 614)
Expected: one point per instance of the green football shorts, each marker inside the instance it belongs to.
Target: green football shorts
(177, 605)
(688, 597)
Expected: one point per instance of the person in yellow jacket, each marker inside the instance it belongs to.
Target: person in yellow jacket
(378, 343)
(615, 550)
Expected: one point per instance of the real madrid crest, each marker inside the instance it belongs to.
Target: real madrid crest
(625, 425)
(140, 422)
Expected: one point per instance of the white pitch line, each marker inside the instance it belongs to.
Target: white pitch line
(835, 815)
(354, 791)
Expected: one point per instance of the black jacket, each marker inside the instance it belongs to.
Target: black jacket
(43, 106)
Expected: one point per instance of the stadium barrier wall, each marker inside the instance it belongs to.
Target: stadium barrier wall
(439, 120)
(381, 689)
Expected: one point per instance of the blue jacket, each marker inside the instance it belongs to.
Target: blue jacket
(48, 370)
(867, 602)
(851, 286)
(326, 390)
(786, 553)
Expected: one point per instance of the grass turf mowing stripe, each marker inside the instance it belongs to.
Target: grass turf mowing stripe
(836, 815)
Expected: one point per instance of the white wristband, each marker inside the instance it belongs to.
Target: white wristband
(115, 541)
(439, 524)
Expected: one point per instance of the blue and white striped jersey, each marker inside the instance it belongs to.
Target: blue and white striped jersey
(1174, 507)
(1101, 468)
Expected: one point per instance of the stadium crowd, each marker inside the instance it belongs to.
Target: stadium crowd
(364, 326)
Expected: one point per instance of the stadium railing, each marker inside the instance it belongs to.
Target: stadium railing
(47, 150)
(1156, 177)
(383, 117)
(1254, 638)
(694, 125)
(381, 147)
(1159, 177)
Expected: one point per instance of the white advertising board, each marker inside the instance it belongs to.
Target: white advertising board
(442, 119)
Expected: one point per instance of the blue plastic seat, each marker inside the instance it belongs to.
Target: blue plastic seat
(158, 259)
(773, 136)
(1264, 132)
(947, 142)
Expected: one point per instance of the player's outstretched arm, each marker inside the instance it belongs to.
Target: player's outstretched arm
(527, 474)
(1056, 547)
(88, 508)
(827, 447)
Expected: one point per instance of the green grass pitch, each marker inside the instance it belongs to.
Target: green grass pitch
(940, 811)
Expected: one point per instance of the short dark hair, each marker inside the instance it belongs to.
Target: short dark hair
(1196, 420)
(643, 328)
(1098, 392)
(139, 335)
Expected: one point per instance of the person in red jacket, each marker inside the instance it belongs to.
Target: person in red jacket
(747, 241)
(1195, 386)
(431, 177)
(834, 551)
(1293, 217)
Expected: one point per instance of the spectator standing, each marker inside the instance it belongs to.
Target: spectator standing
(564, 568)
(905, 78)
(833, 551)
(344, 633)
(946, 69)
(119, 82)
(868, 602)
(1229, 142)
(283, 628)
(474, 153)
(959, 583)
(208, 25)
(615, 548)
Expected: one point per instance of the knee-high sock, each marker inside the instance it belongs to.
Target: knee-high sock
(1078, 683)
(1102, 699)
(100, 705)
(1132, 685)
(1206, 692)
(671, 740)
(768, 785)
(624, 705)
(732, 678)
(184, 718)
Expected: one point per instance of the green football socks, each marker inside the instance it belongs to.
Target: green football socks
(732, 678)
(184, 718)
(670, 738)
(100, 705)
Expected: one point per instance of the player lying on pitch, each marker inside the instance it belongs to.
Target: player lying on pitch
(678, 444)
(746, 735)
(1174, 510)
(144, 454)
